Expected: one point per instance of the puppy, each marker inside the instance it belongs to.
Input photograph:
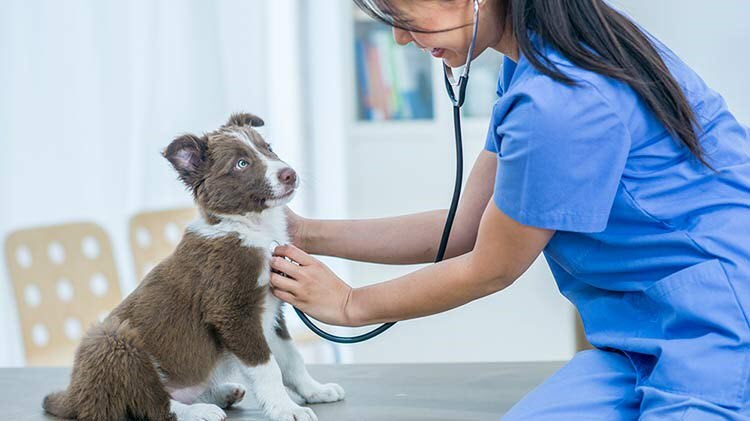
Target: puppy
(205, 312)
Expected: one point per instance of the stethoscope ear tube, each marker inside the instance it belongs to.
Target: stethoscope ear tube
(461, 84)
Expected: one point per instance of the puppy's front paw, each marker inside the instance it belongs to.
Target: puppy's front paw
(223, 395)
(202, 412)
(322, 393)
(296, 397)
(292, 413)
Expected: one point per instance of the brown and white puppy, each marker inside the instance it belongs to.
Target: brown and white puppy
(205, 313)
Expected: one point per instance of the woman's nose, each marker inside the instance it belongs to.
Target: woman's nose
(401, 37)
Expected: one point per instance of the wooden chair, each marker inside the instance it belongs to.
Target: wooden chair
(64, 279)
(154, 236)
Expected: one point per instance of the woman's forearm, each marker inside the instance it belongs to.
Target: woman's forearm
(429, 290)
(504, 250)
(406, 239)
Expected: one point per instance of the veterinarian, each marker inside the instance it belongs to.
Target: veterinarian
(610, 155)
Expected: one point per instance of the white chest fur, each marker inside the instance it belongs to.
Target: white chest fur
(258, 230)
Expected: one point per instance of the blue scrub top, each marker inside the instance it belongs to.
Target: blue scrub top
(652, 247)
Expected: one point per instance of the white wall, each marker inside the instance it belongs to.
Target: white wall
(712, 37)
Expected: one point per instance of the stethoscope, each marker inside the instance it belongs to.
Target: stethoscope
(457, 94)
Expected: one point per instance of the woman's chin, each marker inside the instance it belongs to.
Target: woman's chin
(454, 61)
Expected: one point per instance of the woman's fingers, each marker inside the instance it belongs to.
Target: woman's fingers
(283, 283)
(291, 251)
(283, 265)
(312, 288)
(284, 296)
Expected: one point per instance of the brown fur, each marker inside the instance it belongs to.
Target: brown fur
(197, 304)
(113, 379)
(245, 119)
(223, 189)
(218, 192)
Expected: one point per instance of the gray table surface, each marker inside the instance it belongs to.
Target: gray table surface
(374, 392)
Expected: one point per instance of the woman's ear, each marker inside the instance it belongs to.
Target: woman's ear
(188, 155)
(245, 119)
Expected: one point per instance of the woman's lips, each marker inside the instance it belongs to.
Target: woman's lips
(437, 52)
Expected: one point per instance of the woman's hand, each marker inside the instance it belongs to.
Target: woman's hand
(310, 286)
(295, 227)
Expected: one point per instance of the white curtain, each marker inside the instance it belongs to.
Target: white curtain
(92, 90)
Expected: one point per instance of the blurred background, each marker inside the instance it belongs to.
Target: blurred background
(92, 90)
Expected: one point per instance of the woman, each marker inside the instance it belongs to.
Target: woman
(612, 157)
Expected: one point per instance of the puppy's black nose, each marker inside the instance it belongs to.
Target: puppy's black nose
(288, 176)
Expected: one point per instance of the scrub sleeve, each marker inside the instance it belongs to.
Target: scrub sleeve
(560, 156)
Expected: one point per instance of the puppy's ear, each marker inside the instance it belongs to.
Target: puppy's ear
(245, 119)
(188, 155)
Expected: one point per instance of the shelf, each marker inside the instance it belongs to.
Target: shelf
(393, 82)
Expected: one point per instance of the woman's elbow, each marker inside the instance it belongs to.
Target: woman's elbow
(493, 276)
(498, 283)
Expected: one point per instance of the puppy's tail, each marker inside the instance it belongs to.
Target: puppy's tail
(113, 378)
(57, 405)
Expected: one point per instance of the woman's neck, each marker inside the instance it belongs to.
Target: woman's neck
(507, 44)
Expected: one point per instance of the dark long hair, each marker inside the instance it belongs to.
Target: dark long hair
(595, 37)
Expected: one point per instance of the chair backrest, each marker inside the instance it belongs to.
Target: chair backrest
(64, 279)
(154, 236)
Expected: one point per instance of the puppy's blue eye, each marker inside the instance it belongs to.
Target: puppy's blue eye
(242, 164)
